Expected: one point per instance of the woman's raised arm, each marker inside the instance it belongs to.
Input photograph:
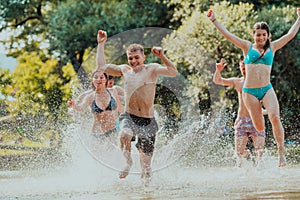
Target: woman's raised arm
(238, 42)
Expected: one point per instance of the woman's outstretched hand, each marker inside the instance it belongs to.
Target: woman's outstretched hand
(211, 16)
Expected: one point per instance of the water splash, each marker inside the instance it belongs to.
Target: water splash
(192, 165)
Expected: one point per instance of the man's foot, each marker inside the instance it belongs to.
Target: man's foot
(281, 160)
(146, 178)
(239, 162)
(125, 172)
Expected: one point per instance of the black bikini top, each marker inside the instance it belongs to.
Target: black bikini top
(111, 106)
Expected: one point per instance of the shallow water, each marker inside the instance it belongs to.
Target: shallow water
(93, 174)
(92, 181)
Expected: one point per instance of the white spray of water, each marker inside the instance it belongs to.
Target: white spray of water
(183, 169)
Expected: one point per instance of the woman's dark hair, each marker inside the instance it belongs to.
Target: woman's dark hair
(94, 72)
(264, 26)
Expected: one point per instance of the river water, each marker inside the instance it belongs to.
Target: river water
(190, 166)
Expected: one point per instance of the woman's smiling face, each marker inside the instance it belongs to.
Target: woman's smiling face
(260, 37)
(99, 79)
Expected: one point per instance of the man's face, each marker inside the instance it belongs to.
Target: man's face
(136, 58)
(110, 83)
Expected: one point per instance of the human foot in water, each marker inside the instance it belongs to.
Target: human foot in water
(281, 159)
(125, 172)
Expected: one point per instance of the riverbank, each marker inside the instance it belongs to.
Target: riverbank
(17, 153)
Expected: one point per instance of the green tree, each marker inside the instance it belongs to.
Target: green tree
(37, 86)
(5, 80)
(197, 46)
(67, 30)
(73, 24)
(40, 95)
(26, 22)
(183, 9)
(70, 27)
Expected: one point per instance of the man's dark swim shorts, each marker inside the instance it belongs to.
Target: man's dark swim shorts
(144, 128)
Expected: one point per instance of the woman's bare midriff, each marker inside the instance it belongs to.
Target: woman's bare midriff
(257, 75)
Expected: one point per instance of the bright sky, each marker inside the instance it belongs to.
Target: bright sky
(3, 35)
(5, 62)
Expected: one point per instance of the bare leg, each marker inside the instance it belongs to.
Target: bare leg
(145, 161)
(253, 106)
(240, 145)
(125, 141)
(271, 103)
(278, 133)
(259, 143)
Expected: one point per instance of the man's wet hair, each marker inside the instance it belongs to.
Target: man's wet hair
(135, 47)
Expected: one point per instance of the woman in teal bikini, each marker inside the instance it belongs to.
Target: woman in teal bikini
(257, 87)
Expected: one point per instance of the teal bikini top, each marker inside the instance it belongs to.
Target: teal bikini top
(254, 57)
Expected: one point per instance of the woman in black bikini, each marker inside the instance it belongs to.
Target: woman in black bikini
(103, 103)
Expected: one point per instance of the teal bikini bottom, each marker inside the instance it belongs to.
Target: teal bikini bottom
(259, 93)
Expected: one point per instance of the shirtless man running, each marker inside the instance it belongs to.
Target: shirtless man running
(139, 88)
(243, 126)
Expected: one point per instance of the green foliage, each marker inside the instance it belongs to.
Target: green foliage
(16, 13)
(197, 45)
(73, 25)
(25, 21)
(5, 81)
(37, 87)
(258, 4)
(183, 9)
(134, 13)
(69, 27)
(73, 28)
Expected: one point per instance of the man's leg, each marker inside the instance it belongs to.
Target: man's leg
(240, 146)
(145, 161)
(146, 147)
(259, 143)
(125, 142)
(240, 139)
